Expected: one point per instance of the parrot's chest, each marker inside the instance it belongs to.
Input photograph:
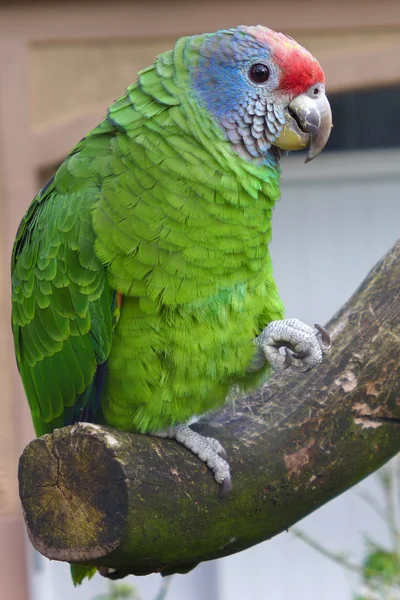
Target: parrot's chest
(186, 337)
(168, 365)
(194, 296)
(207, 337)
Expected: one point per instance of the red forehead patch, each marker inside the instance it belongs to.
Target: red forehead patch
(300, 70)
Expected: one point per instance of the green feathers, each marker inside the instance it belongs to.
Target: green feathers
(153, 204)
(61, 302)
(141, 272)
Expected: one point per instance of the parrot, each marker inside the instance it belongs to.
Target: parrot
(142, 281)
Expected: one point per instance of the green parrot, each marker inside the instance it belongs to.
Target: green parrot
(142, 284)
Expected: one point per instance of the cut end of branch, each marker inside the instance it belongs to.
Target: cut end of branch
(68, 498)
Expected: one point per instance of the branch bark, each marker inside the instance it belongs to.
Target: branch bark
(139, 504)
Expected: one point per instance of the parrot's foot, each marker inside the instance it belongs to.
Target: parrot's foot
(209, 450)
(304, 347)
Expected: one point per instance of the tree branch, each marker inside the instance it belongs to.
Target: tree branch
(140, 504)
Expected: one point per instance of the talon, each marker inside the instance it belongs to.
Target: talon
(223, 454)
(300, 355)
(288, 358)
(326, 338)
(225, 486)
(301, 369)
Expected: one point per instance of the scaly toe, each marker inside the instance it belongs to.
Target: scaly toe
(209, 451)
(219, 449)
(303, 346)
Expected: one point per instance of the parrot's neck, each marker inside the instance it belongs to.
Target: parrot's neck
(186, 131)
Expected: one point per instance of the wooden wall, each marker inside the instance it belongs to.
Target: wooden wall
(61, 64)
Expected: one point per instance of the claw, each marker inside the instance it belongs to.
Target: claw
(302, 369)
(288, 359)
(223, 454)
(324, 334)
(300, 355)
(225, 487)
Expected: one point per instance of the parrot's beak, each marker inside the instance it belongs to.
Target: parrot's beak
(308, 124)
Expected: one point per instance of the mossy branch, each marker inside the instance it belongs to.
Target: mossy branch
(140, 504)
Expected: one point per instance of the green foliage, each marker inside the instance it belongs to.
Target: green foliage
(381, 564)
(125, 591)
(120, 591)
(380, 574)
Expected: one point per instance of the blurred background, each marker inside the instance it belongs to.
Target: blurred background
(61, 65)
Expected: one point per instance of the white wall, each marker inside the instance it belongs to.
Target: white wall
(52, 581)
(337, 217)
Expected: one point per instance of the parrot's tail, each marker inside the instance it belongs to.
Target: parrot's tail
(80, 572)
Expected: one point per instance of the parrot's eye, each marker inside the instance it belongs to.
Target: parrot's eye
(259, 73)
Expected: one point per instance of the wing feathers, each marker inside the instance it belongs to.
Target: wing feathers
(62, 304)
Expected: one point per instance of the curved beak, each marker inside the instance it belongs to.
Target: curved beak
(308, 124)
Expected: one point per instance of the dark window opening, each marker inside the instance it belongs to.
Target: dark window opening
(365, 119)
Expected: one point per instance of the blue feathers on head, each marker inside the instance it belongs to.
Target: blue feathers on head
(249, 114)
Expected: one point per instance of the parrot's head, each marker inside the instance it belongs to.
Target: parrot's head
(264, 90)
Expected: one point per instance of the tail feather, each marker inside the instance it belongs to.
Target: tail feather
(80, 572)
